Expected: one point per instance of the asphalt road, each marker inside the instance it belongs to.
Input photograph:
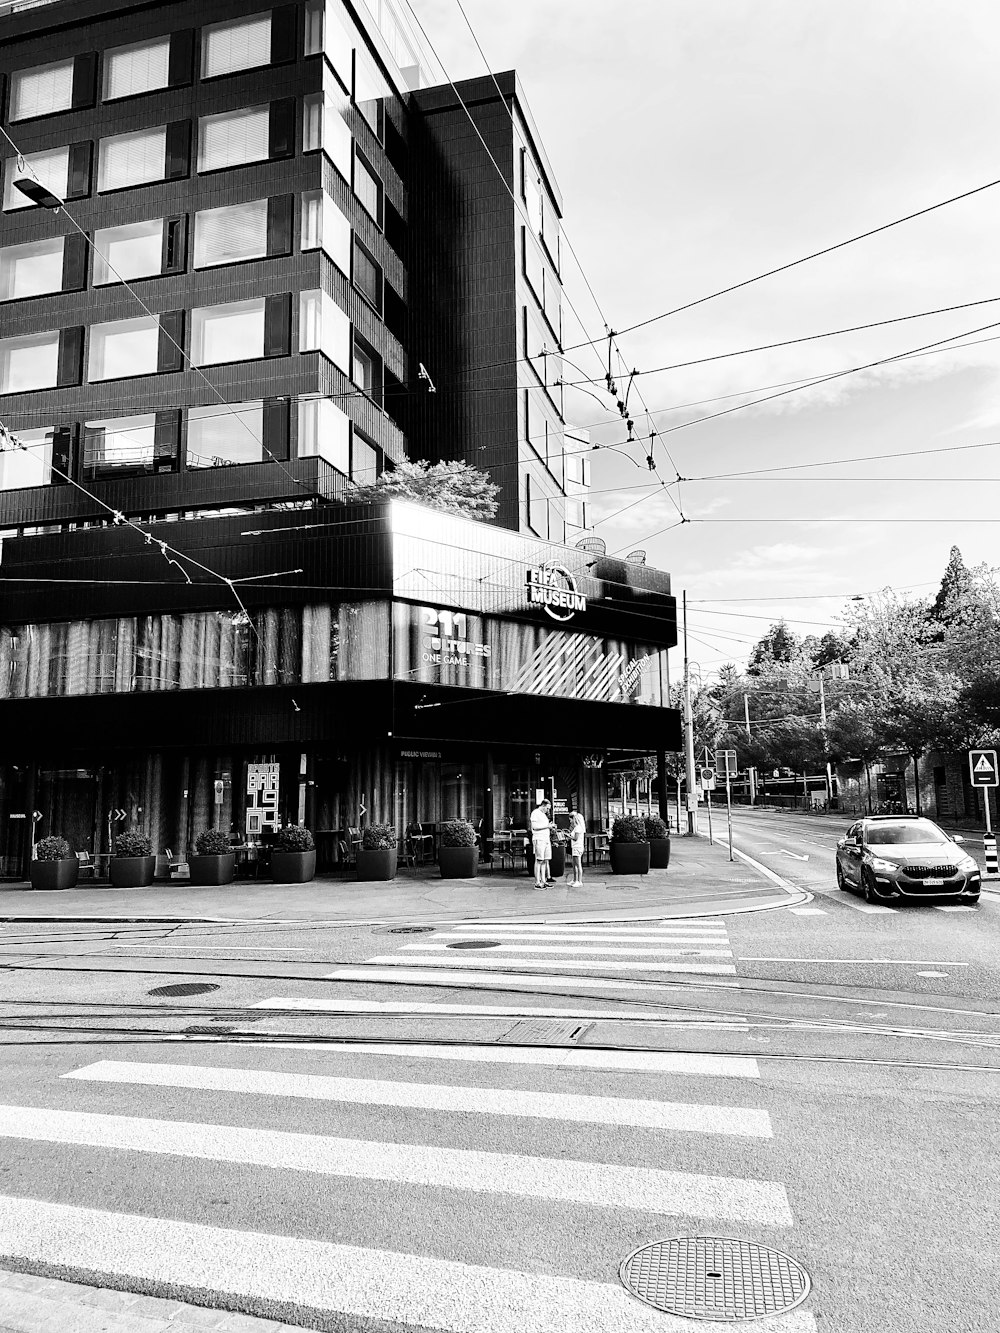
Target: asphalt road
(320, 1157)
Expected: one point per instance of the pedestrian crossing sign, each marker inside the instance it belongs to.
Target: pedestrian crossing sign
(983, 767)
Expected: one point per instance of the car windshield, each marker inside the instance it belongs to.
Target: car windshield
(914, 831)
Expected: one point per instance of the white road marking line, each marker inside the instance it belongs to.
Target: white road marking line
(493, 1011)
(808, 911)
(558, 1180)
(955, 907)
(795, 856)
(585, 932)
(870, 908)
(709, 969)
(456, 977)
(216, 948)
(932, 974)
(582, 937)
(368, 1284)
(865, 962)
(990, 893)
(658, 952)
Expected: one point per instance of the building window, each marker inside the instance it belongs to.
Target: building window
(41, 91)
(234, 137)
(138, 68)
(31, 362)
(52, 169)
(370, 90)
(231, 332)
(243, 44)
(31, 269)
(368, 187)
(323, 327)
(132, 251)
(132, 159)
(363, 369)
(228, 235)
(324, 124)
(32, 468)
(325, 432)
(367, 276)
(222, 434)
(324, 226)
(364, 460)
(126, 347)
(123, 446)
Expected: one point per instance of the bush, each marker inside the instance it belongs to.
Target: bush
(133, 844)
(294, 838)
(378, 837)
(457, 833)
(212, 842)
(655, 827)
(629, 828)
(53, 849)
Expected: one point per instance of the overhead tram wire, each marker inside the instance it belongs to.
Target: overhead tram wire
(805, 259)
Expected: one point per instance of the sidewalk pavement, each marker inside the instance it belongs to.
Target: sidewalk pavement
(701, 881)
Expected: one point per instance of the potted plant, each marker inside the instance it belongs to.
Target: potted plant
(55, 865)
(458, 854)
(214, 861)
(658, 837)
(377, 853)
(293, 855)
(133, 863)
(629, 848)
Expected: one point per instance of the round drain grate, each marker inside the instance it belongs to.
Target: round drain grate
(714, 1277)
(474, 944)
(183, 988)
(409, 930)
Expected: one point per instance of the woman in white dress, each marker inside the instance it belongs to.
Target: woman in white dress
(577, 833)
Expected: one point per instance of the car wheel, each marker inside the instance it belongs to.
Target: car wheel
(840, 878)
(868, 885)
(973, 898)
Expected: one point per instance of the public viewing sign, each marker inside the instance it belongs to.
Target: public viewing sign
(983, 767)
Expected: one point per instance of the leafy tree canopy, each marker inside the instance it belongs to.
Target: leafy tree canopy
(454, 488)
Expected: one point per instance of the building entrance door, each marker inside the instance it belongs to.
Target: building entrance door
(68, 801)
(15, 821)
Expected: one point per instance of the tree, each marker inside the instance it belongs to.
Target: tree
(855, 733)
(453, 488)
(778, 644)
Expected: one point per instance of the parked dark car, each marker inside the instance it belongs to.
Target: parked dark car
(900, 857)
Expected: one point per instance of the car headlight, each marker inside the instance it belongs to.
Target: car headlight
(968, 863)
(886, 867)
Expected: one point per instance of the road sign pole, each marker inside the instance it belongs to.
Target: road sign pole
(729, 816)
(708, 798)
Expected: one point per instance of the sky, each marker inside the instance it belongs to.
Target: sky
(698, 143)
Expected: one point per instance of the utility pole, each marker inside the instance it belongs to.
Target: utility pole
(692, 814)
(746, 714)
(822, 718)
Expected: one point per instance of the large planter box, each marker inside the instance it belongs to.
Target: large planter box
(629, 858)
(61, 874)
(377, 862)
(458, 862)
(214, 869)
(659, 853)
(293, 867)
(132, 872)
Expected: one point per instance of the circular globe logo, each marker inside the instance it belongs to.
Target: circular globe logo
(552, 586)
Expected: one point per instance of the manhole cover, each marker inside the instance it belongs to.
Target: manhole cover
(184, 988)
(409, 930)
(474, 944)
(714, 1277)
(201, 1030)
(546, 1032)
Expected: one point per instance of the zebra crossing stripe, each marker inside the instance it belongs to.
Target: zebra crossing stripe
(371, 1284)
(501, 1010)
(585, 932)
(658, 952)
(558, 1180)
(872, 910)
(711, 969)
(470, 980)
(578, 1108)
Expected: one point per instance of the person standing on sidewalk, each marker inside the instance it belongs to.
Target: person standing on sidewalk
(577, 835)
(541, 842)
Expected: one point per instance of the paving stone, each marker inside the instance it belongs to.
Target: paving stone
(20, 1281)
(105, 1299)
(198, 1316)
(244, 1323)
(155, 1307)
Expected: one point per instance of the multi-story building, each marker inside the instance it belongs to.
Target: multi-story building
(289, 256)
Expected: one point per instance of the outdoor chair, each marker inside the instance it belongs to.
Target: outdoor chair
(87, 869)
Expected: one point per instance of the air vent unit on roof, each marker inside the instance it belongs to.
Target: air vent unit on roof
(636, 558)
(596, 544)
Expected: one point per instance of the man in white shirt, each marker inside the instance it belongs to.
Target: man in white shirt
(541, 842)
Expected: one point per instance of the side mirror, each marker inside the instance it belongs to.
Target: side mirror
(957, 838)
